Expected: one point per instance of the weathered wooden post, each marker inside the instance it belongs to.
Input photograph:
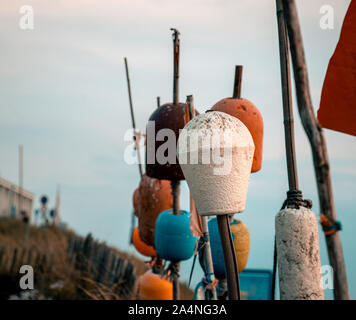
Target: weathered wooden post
(316, 138)
(297, 241)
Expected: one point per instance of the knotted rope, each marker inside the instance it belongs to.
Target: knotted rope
(328, 226)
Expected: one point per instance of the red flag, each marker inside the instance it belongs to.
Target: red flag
(338, 98)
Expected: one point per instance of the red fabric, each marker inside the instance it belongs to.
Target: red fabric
(338, 98)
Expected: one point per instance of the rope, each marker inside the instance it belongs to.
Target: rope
(201, 244)
(295, 201)
(329, 228)
(173, 270)
(209, 281)
(157, 265)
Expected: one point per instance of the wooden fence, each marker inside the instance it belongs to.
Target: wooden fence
(91, 259)
(11, 259)
(103, 263)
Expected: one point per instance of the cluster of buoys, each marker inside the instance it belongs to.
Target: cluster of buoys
(164, 230)
(217, 152)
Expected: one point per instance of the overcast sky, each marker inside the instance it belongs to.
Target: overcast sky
(63, 96)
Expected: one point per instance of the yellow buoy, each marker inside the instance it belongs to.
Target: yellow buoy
(241, 242)
(241, 238)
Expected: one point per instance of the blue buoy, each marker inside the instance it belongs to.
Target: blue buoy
(174, 240)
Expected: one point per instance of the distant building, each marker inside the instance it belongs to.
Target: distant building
(11, 199)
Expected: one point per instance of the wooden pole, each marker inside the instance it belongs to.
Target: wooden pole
(232, 270)
(176, 184)
(176, 49)
(204, 219)
(57, 205)
(319, 149)
(207, 253)
(236, 94)
(158, 102)
(232, 273)
(133, 117)
(176, 207)
(20, 178)
(133, 217)
(287, 99)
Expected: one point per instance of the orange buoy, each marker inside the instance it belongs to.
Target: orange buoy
(247, 112)
(142, 247)
(135, 200)
(152, 287)
(154, 197)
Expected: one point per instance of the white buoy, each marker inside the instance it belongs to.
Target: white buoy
(215, 152)
(298, 255)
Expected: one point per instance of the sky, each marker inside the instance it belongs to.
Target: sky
(64, 97)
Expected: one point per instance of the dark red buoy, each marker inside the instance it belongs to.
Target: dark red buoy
(168, 116)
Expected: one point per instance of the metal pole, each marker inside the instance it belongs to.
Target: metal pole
(176, 48)
(319, 149)
(287, 99)
(133, 116)
(232, 273)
